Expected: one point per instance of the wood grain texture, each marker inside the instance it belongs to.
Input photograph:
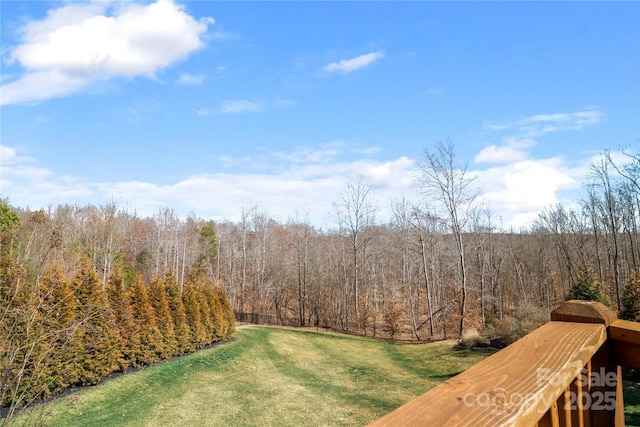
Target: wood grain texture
(626, 338)
(514, 387)
(584, 312)
(626, 331)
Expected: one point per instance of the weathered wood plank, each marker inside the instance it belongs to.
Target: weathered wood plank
(516, 386)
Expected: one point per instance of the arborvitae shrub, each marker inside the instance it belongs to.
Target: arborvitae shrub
(151, 339)
(58, 308)
(97, 340)
(217, 315)
(181, 326)
(190, 299)
(229, 318)
(206, 316)
(121, 306)
(158, 299)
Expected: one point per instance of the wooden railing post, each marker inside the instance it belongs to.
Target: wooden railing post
(599, 391)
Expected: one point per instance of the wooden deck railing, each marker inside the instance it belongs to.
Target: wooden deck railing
(565, 373)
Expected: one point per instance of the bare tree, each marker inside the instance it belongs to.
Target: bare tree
(482, 233)
(402, 221)
(610, 215)
(356, 214)
(448, 184)
(629, 195)
(244, 243)
(300, 234)
(630, 170)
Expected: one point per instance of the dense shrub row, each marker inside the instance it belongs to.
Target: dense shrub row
(57, 332)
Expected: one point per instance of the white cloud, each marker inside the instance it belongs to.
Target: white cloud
(78, 44)
(245, 106)
(240, 106)
(366, 150)
(16, 167)
(539, 124)
(310, 155)
(309, 182)
(308, 179)
(496, 126)
(576, 120)
(38, 86)
(190, 79)
(397, 173)
(7, 155)
(521, 186)
(503, 154)
(346, 66)
(521, 190)
(513, 150)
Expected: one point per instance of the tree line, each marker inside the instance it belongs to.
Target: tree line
(438, 266)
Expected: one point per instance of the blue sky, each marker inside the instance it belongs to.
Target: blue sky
(208, 107)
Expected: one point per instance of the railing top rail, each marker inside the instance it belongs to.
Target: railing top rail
(517, 385)
(625, 331)
(625, 336)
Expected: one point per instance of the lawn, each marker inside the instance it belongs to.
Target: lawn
(269, 376)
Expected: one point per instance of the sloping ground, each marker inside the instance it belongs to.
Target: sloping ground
(270, 376)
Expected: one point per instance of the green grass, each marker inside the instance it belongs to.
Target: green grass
(631, 403)
(269, 376)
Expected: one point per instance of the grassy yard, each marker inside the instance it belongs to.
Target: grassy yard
(269, 376)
